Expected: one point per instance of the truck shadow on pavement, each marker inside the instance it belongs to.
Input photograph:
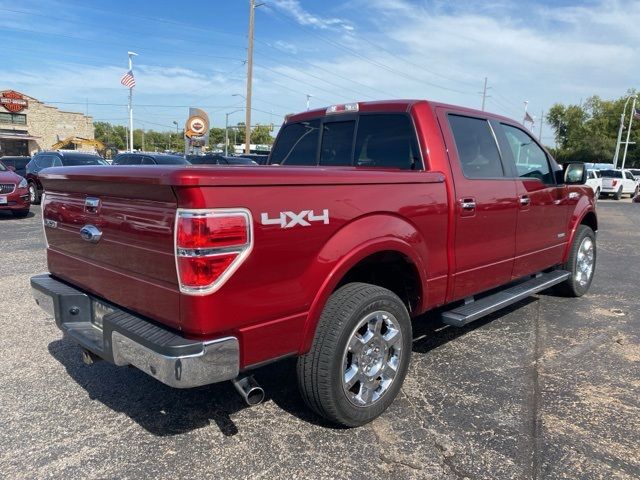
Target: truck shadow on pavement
(165, 411)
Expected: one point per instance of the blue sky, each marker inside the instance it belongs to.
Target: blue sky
(544, 52)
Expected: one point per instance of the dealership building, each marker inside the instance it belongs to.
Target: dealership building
(27, 125)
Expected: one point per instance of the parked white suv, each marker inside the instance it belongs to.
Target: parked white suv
(594, 180)
(618, 183)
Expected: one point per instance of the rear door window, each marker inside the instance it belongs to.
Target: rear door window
(297, 144)
(337, 140)
(477, 149)
(530, 159)
(387, 141)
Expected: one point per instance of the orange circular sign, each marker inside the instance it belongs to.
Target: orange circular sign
(196, 127)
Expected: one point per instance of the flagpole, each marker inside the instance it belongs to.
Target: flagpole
(131, 54)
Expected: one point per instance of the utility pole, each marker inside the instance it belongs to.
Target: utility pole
(308, 97)
(526, 104)
(484, 93)
(626, 143)
(247, 127)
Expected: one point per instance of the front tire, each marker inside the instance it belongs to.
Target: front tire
(359, 356)
(581, 263)
(34, 194)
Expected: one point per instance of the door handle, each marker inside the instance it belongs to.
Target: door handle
(468, 204)
(525, 200)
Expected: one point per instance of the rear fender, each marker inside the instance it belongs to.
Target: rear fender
(353, 243)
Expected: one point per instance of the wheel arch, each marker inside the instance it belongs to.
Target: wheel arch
(585, 215)
(343, 256)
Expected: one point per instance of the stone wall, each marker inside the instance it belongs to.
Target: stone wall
(51, 125)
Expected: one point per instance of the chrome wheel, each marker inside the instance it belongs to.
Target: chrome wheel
(584, 262)
(371, 359)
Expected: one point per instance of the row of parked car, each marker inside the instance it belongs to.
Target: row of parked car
(22, 172)
(615, 183)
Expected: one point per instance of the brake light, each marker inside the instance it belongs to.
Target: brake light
(345, 107)
(210, 246)
(212, 231)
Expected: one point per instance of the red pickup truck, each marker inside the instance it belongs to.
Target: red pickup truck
(369, 214)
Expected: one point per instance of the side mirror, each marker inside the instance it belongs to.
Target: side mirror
(575, 174)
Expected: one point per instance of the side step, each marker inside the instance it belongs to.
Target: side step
(464, 314)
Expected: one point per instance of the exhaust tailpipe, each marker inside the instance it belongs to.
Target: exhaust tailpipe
(249, 390)
(89, 358)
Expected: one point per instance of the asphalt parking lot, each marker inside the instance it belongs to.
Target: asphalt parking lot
(547, 389)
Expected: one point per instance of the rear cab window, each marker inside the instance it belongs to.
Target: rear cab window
(383, 140)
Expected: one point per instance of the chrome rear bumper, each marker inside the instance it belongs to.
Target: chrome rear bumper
(126, 339)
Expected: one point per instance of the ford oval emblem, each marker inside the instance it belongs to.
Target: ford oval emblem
(90, 233)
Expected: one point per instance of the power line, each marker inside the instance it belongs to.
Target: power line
(369, 60)
(314, 65)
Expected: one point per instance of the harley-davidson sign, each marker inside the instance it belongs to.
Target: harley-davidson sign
(13, 101)
(197, 125)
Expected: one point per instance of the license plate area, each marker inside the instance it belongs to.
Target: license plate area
(3, 200)
(98, 311)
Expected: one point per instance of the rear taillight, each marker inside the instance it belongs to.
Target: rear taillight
(210, 246)
(614, 183)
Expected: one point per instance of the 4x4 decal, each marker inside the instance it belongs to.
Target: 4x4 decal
(291, 219)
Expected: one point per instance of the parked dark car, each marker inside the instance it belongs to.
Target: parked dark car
(219, 160)
(259, 158)
(14, 196)
(149, 159)
(18, 164)
(44, 160)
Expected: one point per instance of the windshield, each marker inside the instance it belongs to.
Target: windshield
(611, 173)
(79, 160)
(2, 167)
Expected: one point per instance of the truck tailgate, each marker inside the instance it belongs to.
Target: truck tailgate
(132, 264)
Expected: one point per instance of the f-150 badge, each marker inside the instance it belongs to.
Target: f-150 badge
(291, 219)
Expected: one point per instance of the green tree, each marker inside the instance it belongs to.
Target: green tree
(261, 135)
(588, 132)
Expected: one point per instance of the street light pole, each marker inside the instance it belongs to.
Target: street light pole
(622, 117)
(308, 97)
(226, 131)
(626, 144)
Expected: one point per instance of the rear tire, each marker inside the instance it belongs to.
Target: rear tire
(581, 263)
(20, 213)
(359, 356)
(34, 194)
(618, 194)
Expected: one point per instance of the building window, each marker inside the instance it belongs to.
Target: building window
(16, 118)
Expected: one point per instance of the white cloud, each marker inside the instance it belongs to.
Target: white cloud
(304, 17)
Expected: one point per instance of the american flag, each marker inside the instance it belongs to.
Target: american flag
(127, 80)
